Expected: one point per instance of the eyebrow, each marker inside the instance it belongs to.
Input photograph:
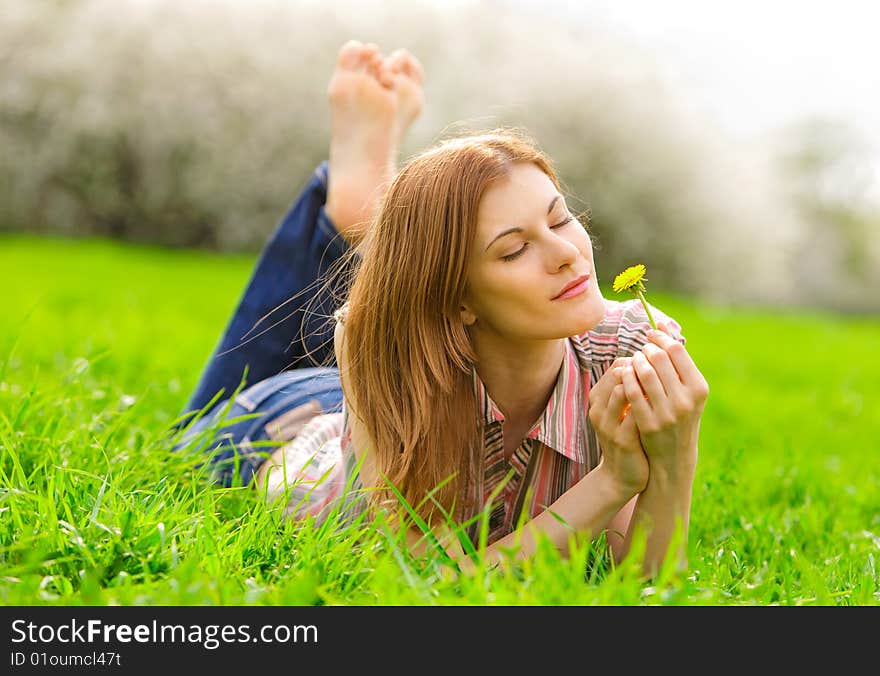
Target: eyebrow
(512, 230)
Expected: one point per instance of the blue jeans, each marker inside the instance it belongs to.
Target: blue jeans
(287, 361)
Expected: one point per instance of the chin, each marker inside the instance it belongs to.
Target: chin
(579, 317)
(577, 325)
(592, 313)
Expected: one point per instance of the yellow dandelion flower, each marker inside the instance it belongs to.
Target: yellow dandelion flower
(633, 279)
(629, 278)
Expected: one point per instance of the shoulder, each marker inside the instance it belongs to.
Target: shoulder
(624, 328)
(341, 315)
(339, 346)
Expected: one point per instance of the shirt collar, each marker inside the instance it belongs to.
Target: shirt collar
(561, 426)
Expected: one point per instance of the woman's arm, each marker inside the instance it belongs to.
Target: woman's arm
(583, 511)
(662, 510)
(586, 508)
(667, 393)
(603, 499)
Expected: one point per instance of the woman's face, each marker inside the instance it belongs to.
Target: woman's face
(513, 278)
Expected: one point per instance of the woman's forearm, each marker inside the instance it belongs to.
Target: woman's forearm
(586, 508)
(661, 509)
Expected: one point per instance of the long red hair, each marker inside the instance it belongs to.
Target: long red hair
(410, 355)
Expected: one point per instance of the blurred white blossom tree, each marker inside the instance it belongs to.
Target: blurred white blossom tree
(196, 123)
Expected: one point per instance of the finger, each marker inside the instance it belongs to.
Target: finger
(676, 391)
(687, 370)
(641, 407)
(615, 411)
(628, 427)
(613, 381)
(601, 391)
(664, 368)
(649, 380)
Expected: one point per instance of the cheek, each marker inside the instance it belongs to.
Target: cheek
(585, 244)
(503, 280)
(507, 300)
(524, 288)
(511, 294)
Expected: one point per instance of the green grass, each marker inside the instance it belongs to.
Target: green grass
(101, 343)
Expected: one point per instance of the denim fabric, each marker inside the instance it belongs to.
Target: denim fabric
(303, 247)
(289, 357)
(238, 443)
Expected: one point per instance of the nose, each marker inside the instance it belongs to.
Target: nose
(562, 252)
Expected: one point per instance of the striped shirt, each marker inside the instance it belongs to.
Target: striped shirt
(556, 453)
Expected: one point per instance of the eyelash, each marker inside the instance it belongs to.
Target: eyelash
(520, 252)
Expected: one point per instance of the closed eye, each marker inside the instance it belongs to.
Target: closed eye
(517, 254)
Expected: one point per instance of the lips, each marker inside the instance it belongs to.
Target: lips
(573, 283)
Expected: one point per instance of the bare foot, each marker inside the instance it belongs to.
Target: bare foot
(407, 76)
(373, 101)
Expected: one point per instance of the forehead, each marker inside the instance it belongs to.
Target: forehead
(516, 199)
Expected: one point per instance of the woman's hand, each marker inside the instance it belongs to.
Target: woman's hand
(667, 394)
(622, 453)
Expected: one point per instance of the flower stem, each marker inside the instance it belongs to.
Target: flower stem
(645, 304)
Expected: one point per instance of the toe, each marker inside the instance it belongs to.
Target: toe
(419, 70)
(350, 54)
(386, 73)
(374, 64)
(396, 60)
(378, 69)
(404, 62)
(356, 55)
(368, 55)
(414, 68)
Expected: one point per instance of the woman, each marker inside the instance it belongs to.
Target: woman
(481, 370)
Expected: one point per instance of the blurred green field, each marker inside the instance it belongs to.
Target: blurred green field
(100, 344)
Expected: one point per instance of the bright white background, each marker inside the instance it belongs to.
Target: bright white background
(755, 65)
